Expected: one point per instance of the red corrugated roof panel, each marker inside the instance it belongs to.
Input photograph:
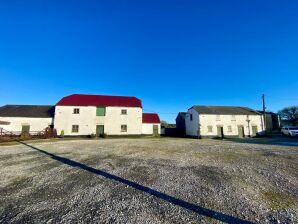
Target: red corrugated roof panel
(99, 100)
(150, 118)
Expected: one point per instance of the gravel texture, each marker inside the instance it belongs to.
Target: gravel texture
(158, 180)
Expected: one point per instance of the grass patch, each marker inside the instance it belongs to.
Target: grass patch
(227, 156)
(278, 200)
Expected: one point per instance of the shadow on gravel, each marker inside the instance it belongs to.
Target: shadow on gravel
(175, 201)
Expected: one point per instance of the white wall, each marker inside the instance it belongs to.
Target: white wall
(36, 124)
(147, 129)
(227, 120)
(201, 122)
(87, 120)
(192, 125)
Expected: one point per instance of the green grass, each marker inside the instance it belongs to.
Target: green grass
(278, 200)
(13, 142)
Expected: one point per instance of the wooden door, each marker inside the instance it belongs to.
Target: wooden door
(254, 130)
(25, 129)
(99, 130)
(241, 131)
(155, 130)
(220, 133)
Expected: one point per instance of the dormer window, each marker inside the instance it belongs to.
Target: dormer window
(76, 110)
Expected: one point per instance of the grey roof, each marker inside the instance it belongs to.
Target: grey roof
(27, 111)
(225, 110)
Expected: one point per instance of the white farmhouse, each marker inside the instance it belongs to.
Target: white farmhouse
(223, 121)
(80, 115)
(26, 118)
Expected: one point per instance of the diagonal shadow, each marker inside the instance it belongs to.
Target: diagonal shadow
(175, 201)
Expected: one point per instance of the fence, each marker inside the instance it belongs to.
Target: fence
(14, 135)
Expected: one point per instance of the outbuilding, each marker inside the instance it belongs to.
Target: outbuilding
(223, 121)
(26, 118)
(150, 124)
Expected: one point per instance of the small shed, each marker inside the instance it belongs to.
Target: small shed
(150, 124)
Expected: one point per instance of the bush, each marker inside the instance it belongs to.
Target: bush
(62, 134)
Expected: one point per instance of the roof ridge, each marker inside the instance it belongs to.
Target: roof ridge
(32, 105)
(84, 94)
(99, 100)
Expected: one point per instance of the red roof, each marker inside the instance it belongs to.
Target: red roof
(151, 118)
(99, 100)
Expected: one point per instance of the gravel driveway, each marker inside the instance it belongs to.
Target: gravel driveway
(148, 181)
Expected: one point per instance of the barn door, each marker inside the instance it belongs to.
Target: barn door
(241, 131)
(99, 130)
(254, 130)
(155, 130)
(25, 129)
(220, 133)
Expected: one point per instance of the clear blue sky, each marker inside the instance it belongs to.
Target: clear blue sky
(171, 54)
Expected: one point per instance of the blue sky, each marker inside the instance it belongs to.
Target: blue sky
(171, 54)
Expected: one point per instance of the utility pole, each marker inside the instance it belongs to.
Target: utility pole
(264, 111)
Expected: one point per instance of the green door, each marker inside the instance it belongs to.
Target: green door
(155, 130)
(254, 130)
(99, 130)
(241, 131)
(220, 133)
(25, 129)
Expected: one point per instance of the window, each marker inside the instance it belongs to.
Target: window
(123, 128)
(218, 117)
(75, 129)
(100, 111)
(233, 118)
(123, 112)
(76, 110)
(229, 128)
(209, 128)
(191, 117)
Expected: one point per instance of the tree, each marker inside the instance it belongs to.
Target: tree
(289, 114)
(164, 123)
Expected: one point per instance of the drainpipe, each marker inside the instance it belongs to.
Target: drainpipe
(249, 135)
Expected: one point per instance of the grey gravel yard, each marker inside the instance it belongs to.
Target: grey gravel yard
(158, 180)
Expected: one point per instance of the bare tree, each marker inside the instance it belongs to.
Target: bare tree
(164, 123)
(289, 114)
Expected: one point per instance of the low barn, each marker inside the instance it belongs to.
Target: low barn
(150, 124)
(26, 118)
(223, 121)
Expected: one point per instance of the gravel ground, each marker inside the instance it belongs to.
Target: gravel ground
(148, 181)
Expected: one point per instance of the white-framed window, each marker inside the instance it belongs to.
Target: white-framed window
(209, 127)
(75, 128)
(76, 110)
(233, 118)
(123, 128)
(218, 117)
(229, 128)
(123, 111)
